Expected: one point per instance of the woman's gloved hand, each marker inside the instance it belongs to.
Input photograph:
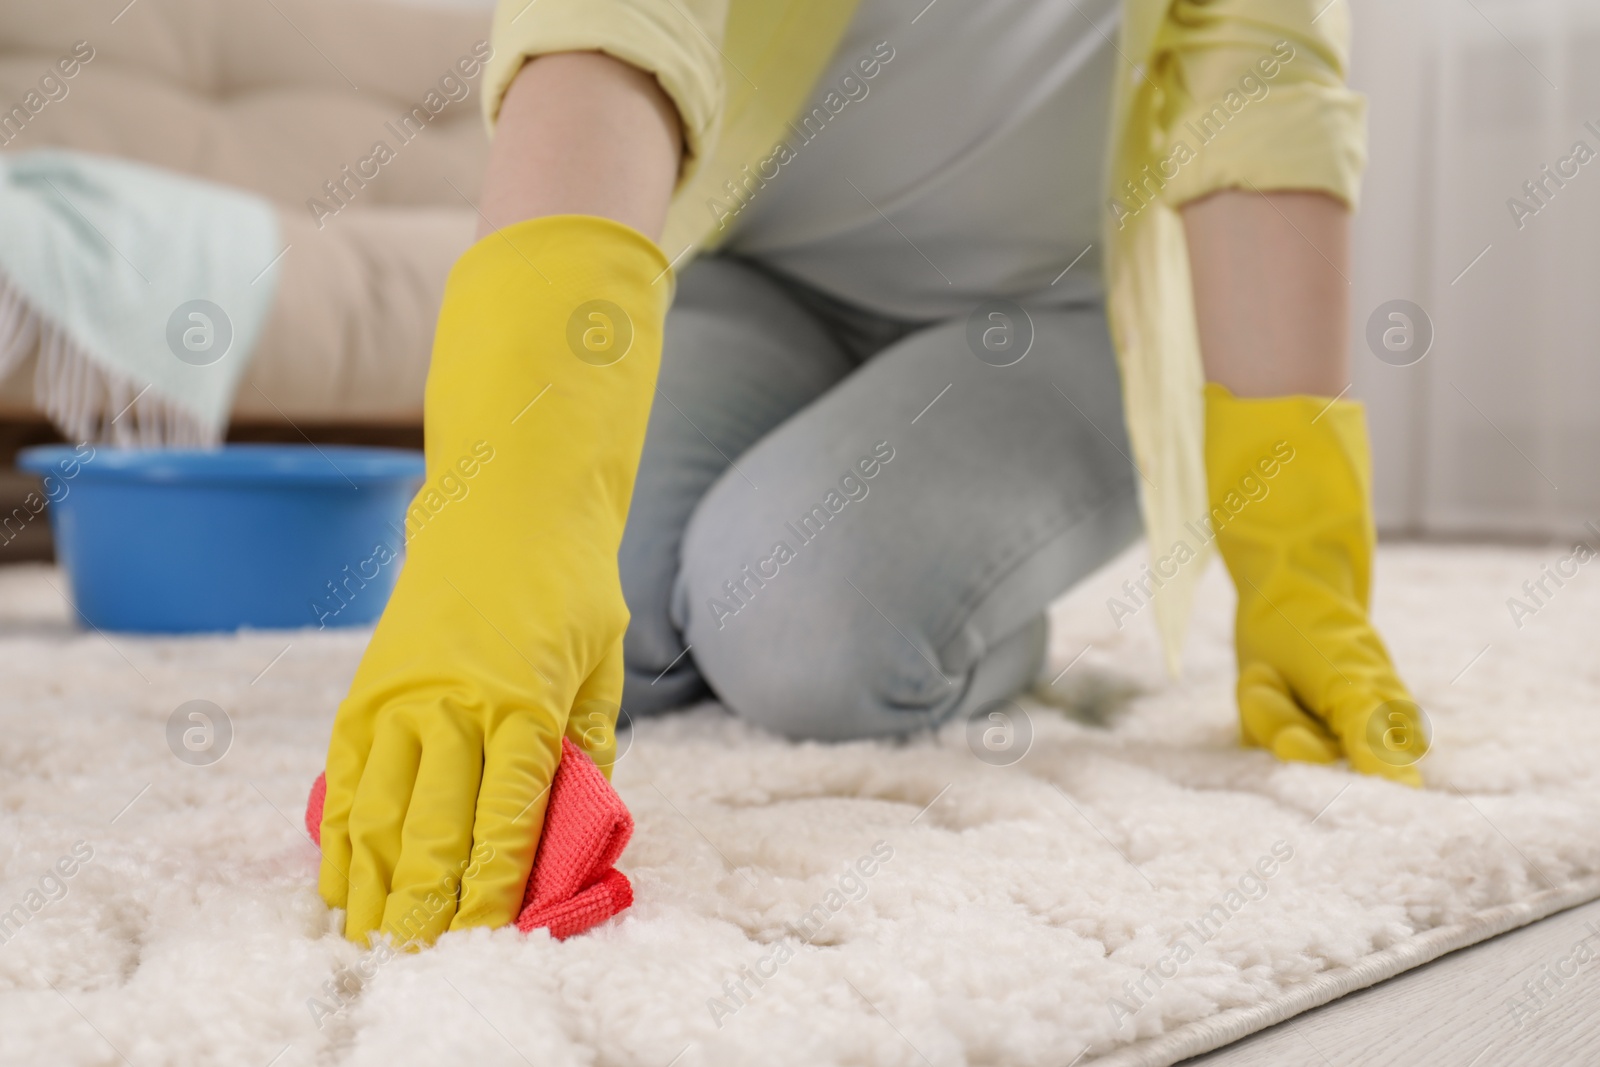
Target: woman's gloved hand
(505, 629)
(1290, 490)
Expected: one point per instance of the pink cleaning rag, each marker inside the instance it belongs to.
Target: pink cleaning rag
(575, 883)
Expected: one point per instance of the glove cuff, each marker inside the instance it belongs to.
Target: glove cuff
(547, 349)
(571, 252)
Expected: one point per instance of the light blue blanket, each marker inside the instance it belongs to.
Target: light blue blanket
(142, 292)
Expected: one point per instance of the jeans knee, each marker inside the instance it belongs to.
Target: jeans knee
(840, 693)
(805, 656)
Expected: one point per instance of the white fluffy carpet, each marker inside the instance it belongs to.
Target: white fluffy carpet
(1012, 922)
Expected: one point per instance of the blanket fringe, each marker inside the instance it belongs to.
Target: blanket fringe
(82, 399)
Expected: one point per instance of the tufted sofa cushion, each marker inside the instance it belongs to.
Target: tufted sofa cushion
(282, 98)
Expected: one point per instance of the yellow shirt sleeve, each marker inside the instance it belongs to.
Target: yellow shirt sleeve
(1255, 90)
(679, 41)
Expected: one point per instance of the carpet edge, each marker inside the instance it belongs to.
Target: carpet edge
(1224, 1028)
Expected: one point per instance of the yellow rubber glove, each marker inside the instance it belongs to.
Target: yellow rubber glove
(1290, 488)
(505, 628)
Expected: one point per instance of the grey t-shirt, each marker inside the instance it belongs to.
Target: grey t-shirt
(950, 156)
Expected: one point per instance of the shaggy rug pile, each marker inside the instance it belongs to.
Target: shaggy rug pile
(1098, 876)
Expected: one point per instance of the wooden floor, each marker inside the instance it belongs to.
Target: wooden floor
(1457, 1010)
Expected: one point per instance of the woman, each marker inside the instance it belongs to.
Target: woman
(888, 426)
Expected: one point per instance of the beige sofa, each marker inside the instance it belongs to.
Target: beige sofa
(279, 97)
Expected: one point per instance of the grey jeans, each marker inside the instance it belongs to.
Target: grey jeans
(847, 526)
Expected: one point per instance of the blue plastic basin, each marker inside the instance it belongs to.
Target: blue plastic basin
(269, 536)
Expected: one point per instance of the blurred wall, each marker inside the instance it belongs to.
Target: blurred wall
(1494, 431)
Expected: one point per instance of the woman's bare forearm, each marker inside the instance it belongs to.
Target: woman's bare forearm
(1270, 290)
(582, 133)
